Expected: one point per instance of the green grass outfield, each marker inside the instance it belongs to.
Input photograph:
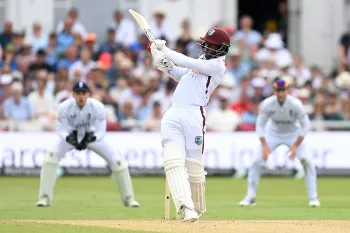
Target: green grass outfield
(97, 198)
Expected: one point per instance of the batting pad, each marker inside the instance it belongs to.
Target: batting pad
(121, 174)
(174, 167)
(48, 175)
(196, 177)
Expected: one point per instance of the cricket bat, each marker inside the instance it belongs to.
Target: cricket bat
(143, 24)
(167, 202)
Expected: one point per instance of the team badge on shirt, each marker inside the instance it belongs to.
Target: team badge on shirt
(198, 140)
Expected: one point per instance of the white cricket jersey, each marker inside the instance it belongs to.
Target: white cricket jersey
(91, 118)
(197, 78)
(290, 117)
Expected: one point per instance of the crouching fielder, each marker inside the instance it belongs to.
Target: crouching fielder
(82, 125)
(183, 124)
(277, 125)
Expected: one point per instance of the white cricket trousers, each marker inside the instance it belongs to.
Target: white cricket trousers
(185, 128)
(274, 140)
(182, 134)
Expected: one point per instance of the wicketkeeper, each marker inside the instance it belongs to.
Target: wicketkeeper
(82, 125)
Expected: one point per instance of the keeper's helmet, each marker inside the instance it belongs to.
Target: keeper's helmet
(215, 36)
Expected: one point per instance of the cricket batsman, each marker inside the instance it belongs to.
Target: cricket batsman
(282, 120)
(82, 125)
(183, 124)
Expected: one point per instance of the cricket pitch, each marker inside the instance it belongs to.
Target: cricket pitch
(239, 226)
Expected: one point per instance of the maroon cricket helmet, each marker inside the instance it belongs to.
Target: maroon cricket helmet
(216, 36)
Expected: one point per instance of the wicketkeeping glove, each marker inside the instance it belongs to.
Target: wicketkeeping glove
(89, 137)
(72, 138)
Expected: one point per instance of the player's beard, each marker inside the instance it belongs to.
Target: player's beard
(207, 52)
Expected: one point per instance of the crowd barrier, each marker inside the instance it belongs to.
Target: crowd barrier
(21, 153)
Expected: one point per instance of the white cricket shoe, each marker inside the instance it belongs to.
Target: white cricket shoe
(190, 215)
(44, 201)
(132, 203)
(247, 202)
(314, 203)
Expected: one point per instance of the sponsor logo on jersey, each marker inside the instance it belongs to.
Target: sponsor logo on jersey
(286, 122)
(198, 140)
(270, 113)
(82, 125)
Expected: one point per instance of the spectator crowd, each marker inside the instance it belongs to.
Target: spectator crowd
(37, 71)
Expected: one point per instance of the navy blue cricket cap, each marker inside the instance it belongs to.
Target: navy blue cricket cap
(81, 86)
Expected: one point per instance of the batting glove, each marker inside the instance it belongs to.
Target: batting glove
(156, 45)
(162, 62)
